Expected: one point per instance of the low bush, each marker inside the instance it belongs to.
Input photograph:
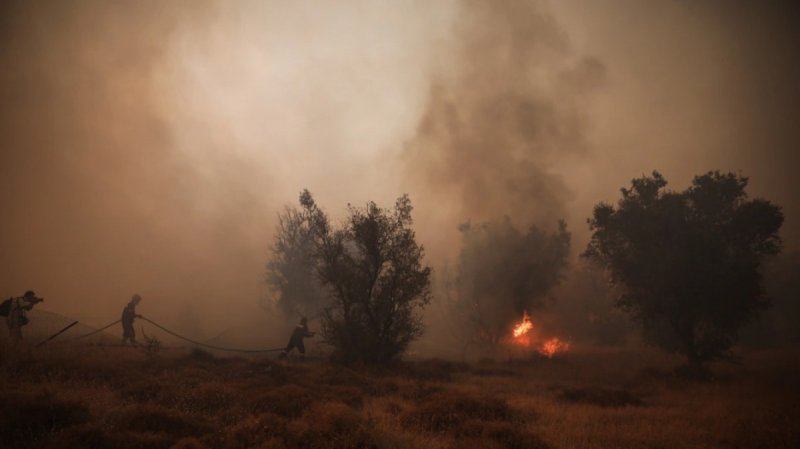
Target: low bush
(435, 370)
(157, 419)
(330, 425)
(506, 435)
(449, 410)
(208, 398)
(602, 397)
(288, 401)
(201, 355)
(188, 443)
(253, 431)
(95, 436)
(28, 417)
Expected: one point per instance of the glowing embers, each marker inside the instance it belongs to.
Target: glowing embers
(552, 347)
(521, 336)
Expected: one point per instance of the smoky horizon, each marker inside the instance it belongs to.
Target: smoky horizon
(148, 147)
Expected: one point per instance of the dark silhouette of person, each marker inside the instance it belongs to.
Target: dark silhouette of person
(296, 340)
(16, 314)
(128, 315)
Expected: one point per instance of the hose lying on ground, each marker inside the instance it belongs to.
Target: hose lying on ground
(219, 348)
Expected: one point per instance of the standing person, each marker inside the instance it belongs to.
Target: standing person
(296, 340)
(16, 313)
(128, 315)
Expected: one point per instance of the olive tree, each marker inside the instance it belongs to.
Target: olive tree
(372, 268)
(690, 261)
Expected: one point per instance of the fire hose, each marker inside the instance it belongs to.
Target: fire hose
(57, 334)
(219, 348)
(97, 330)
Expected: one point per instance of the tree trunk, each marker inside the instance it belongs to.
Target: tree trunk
(695, 362)
(694, 367)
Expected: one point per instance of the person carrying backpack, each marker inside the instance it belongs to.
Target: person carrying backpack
(14, 310)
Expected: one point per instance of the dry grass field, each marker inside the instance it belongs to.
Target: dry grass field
(115, 397)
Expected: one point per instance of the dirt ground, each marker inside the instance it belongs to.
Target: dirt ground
(99, 396)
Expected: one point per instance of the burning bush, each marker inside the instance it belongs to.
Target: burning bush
(521, 336)
(502, 274)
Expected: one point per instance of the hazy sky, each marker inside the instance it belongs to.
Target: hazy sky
(148, 146)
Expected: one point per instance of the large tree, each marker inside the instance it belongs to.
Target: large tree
(372, 268)
(689, 261)
(502, 273)
(291, 273)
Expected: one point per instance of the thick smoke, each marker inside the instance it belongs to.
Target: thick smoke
(506, 106)
(98, 200)
(148, 146)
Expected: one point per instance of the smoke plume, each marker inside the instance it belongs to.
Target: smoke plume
(503, 109)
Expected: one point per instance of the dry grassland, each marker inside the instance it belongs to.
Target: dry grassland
(116, 397)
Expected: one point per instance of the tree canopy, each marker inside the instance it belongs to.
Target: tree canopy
(372, 269)
(689, 261)
(291, 273)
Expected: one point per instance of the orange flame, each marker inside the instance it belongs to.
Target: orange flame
(521, 330)
(521, 337)
(524, 326)
(553, 346)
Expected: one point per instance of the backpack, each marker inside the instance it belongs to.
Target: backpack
(5, 307)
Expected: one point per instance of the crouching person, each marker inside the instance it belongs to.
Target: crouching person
(15, 313)
(296, 340)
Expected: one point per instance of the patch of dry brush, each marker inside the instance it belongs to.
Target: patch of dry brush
(110, 397)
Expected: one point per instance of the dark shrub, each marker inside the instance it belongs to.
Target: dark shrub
(142, 391)
(603, 397)
(330, 425)
(28, 417)
(448, 410)
(157, 419)
(96, 437)
(350, 396)
(188, 443)
(505, 435)
(435, 370)
(208, 397)
(253, 430)
(201, 355)
(288, 401)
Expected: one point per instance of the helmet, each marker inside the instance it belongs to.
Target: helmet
(29, 294)
(303, 320)
(136, 298)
